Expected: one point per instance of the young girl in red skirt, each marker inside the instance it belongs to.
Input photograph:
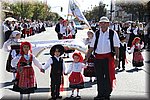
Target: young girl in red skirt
(25, 79)
(76, 78)
(137, 55)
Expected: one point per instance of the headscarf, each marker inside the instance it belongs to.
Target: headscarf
(79, 55)
(136, 39)
(21, 47)
(14, 33)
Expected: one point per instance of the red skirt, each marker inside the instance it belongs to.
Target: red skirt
(137, 56)
(137, 59)
(26, 78)
(67, 37)
(76, 78)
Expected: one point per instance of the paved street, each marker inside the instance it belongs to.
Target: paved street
(130, 84)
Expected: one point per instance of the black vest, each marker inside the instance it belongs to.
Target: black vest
(111, 34)
(56, 67)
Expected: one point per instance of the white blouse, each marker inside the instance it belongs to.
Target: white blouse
(50, 61)
(103, 45)
(75, 67)
(16, 59)
(7, 45)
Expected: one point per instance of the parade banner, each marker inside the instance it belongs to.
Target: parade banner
(70, 44)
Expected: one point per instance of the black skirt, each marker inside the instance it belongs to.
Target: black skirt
(77, 86)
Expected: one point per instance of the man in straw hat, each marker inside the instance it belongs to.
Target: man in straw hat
(104, 43)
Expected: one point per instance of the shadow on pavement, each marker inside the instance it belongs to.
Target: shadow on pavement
(5, 84)
(71, 98)
(39, 90)
(134, 70)
(118, 70)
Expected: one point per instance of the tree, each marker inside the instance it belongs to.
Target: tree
(23, 10)
(137, 9)
(96, 12)
(30, 10)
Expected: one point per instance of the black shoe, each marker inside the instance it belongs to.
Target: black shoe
(78, 96)
(58, 97)
(95, 80)
(107, 98)
(52, 98)
(99, 98)
(71, 96)
(90, 81)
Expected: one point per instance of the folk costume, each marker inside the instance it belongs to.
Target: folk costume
(122, 52)
(57, 69)
(76, 78)
(12, 46)
(132, 33)
(58, 28)
(104, 60)
(73, 30)
(137, 55)
(89, 71)
(66, 30)
(25, 78)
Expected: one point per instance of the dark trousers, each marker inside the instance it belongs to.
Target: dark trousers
(55, 85)
(123, 63)
(59, 36)
(104, 87)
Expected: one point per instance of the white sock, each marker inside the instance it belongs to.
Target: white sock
(14, 76)
(72, 93)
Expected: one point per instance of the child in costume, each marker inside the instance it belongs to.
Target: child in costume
(12, 45)
(136, 50)
(89, 71)
(25, 82)
(122, 51)
(57, 69)
(76, 78)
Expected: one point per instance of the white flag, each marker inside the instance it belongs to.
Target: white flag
(75, 11)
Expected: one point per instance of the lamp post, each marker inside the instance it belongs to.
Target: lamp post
(111, 10)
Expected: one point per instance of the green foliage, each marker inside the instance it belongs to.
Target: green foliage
(28, 10)
(137, 9)
(96, 12)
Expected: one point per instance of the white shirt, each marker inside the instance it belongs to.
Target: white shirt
(6, 28)
(128, 30)
(103, 45)
(138, 29)
(7, 44)
(50, 61)
(16, 59)
(61, 29)
(140, 46)
(116, 27)
(76, 67)
(87, 41)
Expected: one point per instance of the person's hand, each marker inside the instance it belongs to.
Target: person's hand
(116, 62)
(85, 60)
(65, 74)
(42, 70)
